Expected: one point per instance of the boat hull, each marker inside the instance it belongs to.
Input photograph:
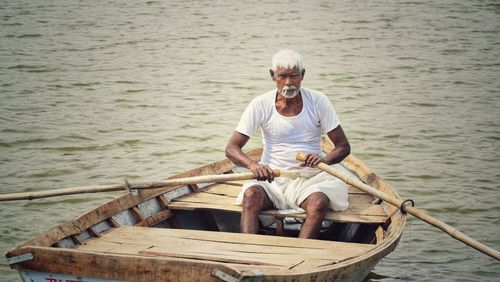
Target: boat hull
(189, 233)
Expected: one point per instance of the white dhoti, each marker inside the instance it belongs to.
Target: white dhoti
(289, 193)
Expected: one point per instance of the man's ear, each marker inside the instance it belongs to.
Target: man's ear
(303, 73)
(272, 74)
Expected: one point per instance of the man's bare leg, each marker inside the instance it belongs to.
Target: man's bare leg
(316, 207)
(255, 200)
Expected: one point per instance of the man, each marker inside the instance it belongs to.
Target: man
(292, 119)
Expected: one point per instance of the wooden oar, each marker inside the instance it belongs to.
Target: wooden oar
(453, 232)
(128, 186)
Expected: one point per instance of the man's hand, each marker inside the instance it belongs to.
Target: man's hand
(312, 160)
(263, 172)
(234, 153)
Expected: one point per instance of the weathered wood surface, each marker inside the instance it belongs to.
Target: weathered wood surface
(183, 255)
(281, 252)
(222, 196)
(120, 267)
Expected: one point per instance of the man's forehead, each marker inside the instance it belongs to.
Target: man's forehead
(286, 70)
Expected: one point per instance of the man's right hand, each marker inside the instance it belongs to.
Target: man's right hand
(263, 172)
(234, 153)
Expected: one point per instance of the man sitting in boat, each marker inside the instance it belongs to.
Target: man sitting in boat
(292, 119)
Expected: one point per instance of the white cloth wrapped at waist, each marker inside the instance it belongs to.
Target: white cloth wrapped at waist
(290, 191)
(295, 174)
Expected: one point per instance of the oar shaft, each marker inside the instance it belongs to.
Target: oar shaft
(61, 192)
(118, 187)
(454, 233)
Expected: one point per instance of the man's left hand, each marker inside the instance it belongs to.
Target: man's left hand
(312, 160)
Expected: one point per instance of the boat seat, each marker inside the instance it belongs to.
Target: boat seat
(222, 196)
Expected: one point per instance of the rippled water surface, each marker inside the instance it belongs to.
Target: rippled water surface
(92, 91)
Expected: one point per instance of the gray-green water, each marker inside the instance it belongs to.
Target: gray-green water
(92, 91)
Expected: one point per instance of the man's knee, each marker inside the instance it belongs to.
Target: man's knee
(317, 205)
(253, 198)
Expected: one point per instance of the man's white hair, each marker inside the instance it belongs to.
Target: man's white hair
(287, 58)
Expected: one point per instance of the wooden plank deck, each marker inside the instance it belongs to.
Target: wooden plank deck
(222, 196)
(231, 248)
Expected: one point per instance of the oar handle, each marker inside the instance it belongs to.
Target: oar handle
(454, 233)
(200, 179)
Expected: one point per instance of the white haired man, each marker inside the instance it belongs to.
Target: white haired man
(292, 119)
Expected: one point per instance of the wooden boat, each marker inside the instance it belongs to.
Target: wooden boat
(190, 233)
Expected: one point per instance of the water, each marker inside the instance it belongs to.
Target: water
(92, 91)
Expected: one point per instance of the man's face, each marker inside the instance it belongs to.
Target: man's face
(288, 81)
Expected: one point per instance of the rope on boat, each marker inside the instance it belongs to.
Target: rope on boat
(403, 204)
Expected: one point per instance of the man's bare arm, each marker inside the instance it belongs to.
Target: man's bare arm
(342, 146)
(341, 151)
(234, 153)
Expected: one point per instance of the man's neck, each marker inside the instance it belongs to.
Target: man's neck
(288, 106)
